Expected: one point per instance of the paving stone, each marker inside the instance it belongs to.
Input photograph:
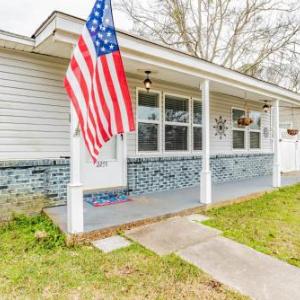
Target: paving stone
(171, 235)
(252, 273)
(112, 243)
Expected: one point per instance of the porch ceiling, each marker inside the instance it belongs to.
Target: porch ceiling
(60, 32)
(177, 78)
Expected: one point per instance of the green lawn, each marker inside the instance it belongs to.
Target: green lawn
(270, 224)
(32, 269)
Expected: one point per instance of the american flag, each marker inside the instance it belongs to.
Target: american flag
(96, 82)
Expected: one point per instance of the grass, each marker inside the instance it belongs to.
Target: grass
(48, 269)
(270, 223)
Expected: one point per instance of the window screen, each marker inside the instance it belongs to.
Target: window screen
(176, 109)
(239, 132)
(236, 114)
(256, 117)
(238, 139)
(148, 137)
(255, 129)
(148, 108)
(197, 109)
(176, 138)
(254, 140)
(197, 138)
(176, 135)
(148, 121)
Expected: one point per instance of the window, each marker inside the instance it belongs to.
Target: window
(197, 125)
(176, 123)
(239, 132)
(148, 121)
(255, 130)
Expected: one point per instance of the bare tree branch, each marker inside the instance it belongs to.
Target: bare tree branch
(257, 37)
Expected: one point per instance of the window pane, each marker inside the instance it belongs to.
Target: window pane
(176, 109)
(148, 137)
(176, 138)
(238, 139)
(254, 140)
(256, 117)
(197, 138)
(148, 106)
(236, 114)
(197, 112)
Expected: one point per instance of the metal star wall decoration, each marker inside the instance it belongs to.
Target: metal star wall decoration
(221, 127)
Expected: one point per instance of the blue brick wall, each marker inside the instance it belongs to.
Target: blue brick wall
(28, 186)
(146, 175)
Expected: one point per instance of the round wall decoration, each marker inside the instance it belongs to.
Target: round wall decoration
(221, 127)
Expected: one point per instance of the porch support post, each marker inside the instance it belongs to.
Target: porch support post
(276, 141)
(205, 195)
(75, 188)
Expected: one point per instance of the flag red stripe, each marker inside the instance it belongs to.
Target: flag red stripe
(110, 85)
(81, 80)
(124, 87)
(86, 55)
(101, 127)
(102, 99)
(76, 106)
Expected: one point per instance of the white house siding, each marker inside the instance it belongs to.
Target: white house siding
(221, 105)
(290, 117)
(34, 109)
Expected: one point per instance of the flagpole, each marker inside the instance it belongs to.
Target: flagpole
(75, 188)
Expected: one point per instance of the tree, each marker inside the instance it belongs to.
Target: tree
(256, 37)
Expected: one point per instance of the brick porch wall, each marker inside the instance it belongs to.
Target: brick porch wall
(28, 186)
(146, 175)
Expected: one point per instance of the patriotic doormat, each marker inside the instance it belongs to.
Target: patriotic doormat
(105, 199)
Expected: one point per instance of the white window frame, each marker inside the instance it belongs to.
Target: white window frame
(193, 125)
(158, 122)
(256, 130)
(238, 129)
(164, 123)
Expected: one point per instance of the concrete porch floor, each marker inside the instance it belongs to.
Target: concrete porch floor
(161, 204)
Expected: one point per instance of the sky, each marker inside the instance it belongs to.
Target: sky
(24, 16)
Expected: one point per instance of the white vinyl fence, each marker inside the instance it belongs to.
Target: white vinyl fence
(290, 152)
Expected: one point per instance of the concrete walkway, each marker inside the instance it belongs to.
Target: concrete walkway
(250, 272)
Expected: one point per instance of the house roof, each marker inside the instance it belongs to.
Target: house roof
(60, 27)
(16, 41)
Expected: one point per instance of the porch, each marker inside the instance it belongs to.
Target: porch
(158, 205)
(192, 112)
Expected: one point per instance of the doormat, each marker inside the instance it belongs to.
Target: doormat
(105, 199)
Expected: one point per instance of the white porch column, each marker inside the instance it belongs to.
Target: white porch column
(75, 188)
(205, 196)
(276, 141)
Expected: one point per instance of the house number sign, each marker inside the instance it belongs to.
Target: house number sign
(102, 164)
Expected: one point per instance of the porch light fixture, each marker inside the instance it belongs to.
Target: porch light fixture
(147, 81)
(266, 107)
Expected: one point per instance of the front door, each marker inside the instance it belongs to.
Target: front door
(109, 171)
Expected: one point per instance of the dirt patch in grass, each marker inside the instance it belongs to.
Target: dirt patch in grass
(270, 223)
(45, 268)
